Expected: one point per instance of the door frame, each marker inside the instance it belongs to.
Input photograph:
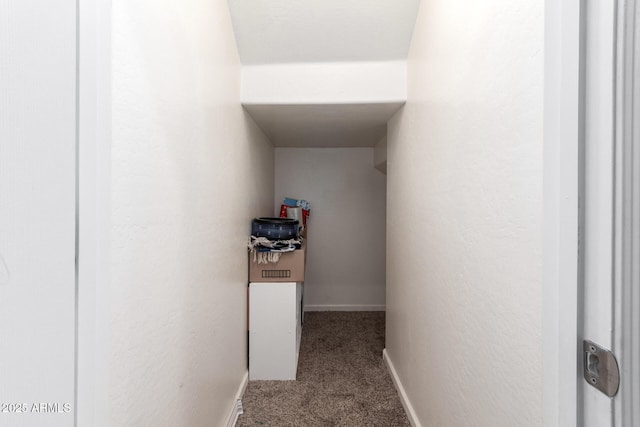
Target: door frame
(93, 211)
(562, 157)
(563, 168)
(562, 142)
(626, 248)
(563, 71)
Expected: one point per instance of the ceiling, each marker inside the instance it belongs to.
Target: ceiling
(317, 31)
(292, 31)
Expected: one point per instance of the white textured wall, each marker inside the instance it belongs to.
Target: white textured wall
(346, 244)
(190, 170)
(464, 232)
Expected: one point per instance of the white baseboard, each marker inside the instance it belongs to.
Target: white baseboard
(236, 409)
(406, 404)
(343, 307)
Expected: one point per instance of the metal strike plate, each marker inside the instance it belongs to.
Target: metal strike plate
(601, 368)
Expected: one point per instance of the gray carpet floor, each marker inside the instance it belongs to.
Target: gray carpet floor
(341, 380)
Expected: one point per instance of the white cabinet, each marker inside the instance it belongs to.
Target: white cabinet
(275, 328)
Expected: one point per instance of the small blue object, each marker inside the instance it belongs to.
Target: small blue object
(290, 202)
(294, 202)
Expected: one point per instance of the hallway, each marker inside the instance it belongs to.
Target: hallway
(342, 379)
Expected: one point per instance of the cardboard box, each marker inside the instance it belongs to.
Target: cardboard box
(290, 268)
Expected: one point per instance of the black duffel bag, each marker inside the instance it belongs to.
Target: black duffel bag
(275, 228)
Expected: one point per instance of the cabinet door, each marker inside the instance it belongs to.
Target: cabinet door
(272, 331)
